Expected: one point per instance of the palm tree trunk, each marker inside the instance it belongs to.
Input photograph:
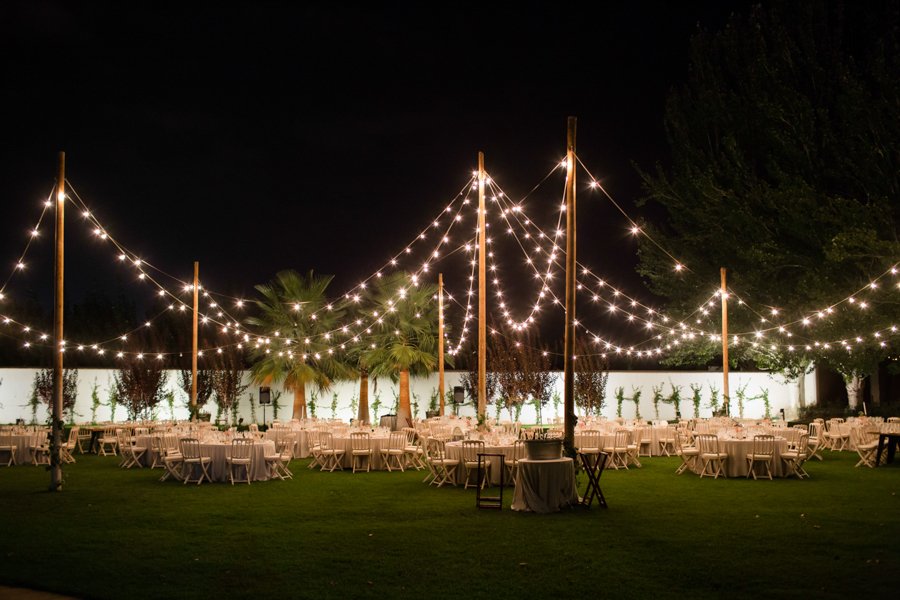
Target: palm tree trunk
(299, 402)
(363, 415)
(404, 411)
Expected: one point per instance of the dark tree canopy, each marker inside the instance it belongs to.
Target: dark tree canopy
(786, 171)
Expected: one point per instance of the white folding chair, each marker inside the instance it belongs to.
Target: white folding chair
(685, 451)
(470, 451)
(331, 456)
(711, 456)
(443, 466)
(360, 449)
(191, 457)
(108, 438)
(241, 456)
(394, 451)
(795, 456)
(512, 464)
(7, 445)
(763, 452)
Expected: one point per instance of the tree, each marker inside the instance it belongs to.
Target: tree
(140, 384)
(783, 171)
(591, 372)
(204, 387)
(404, 339)
(228, 379)
(296, 343)
(42, 388)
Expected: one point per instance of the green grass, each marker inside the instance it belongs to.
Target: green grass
(115, 534)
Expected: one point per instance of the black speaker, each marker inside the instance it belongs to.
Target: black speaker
(459, 396)
(265, 396)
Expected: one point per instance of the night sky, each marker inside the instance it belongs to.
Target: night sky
(255, 137)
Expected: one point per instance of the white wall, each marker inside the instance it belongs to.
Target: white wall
(15, 391)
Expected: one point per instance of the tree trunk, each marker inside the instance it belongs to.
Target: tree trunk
(795, 395)
(404, 411)
(875, 387)
(363, 415)
(299, 402)
(853, 388)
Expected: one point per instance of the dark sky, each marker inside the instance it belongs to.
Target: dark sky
(254, 137)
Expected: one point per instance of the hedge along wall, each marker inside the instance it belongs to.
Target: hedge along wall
(16, 385)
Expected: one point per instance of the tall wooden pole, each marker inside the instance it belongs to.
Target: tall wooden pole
(725, 397)
(569, 380)
(58, 340)
(441, 339)
(482, 304)
(194, 346)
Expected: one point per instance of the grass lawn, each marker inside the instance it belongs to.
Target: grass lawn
(122, 534)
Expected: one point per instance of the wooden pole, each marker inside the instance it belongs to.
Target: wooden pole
(482, 310)
(569, 379)
(441, 339)
(194, 345)
(725, 397)
(58, 348)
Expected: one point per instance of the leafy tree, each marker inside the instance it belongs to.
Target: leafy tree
(296, 322)
(228, 380)
(784, 170)
(591, 372)
(404, 340)
(140, 384)
(42, 388)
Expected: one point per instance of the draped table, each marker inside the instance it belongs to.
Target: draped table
(376, 443)
(608, 438)
(545, 486)
(219, 451)
(301, 446)
(736, 463)
(22, 442)
(455, 452)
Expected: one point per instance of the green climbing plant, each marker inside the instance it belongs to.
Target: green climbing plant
(697, 389)
(620, 399)
(657, 398)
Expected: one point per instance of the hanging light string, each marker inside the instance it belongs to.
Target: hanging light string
(20, 264)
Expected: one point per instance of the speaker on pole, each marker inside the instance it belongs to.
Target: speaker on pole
(459, 396)
(265, 395)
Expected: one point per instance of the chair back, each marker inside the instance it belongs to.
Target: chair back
(397, 441)
(360, 440)
(802, 445)
(764, 445)
(326, 440)
(519, 451)
(190, 448)
(893, 420)
(411, 436)
(241, 448)
(708, 443)
(435, 448)
(141, 431)
(590, 439)
(471, 449)
(157, 445)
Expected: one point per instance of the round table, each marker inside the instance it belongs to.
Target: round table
(545, 486)
(736, 464)
(301, 447)
(219, 451)
(23, 443)
(454, 451)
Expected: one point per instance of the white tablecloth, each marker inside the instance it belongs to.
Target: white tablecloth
(545, 486)
(301, 447)
(454, 451)
(736, 463)
(609, 438)
(23, 452)
(377, 443)
(218, 469)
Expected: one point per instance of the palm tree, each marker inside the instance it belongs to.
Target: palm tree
(296, 344)
(404, 341)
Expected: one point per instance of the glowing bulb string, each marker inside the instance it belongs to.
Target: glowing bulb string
(20, 264)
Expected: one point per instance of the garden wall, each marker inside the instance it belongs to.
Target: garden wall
(16, 385)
